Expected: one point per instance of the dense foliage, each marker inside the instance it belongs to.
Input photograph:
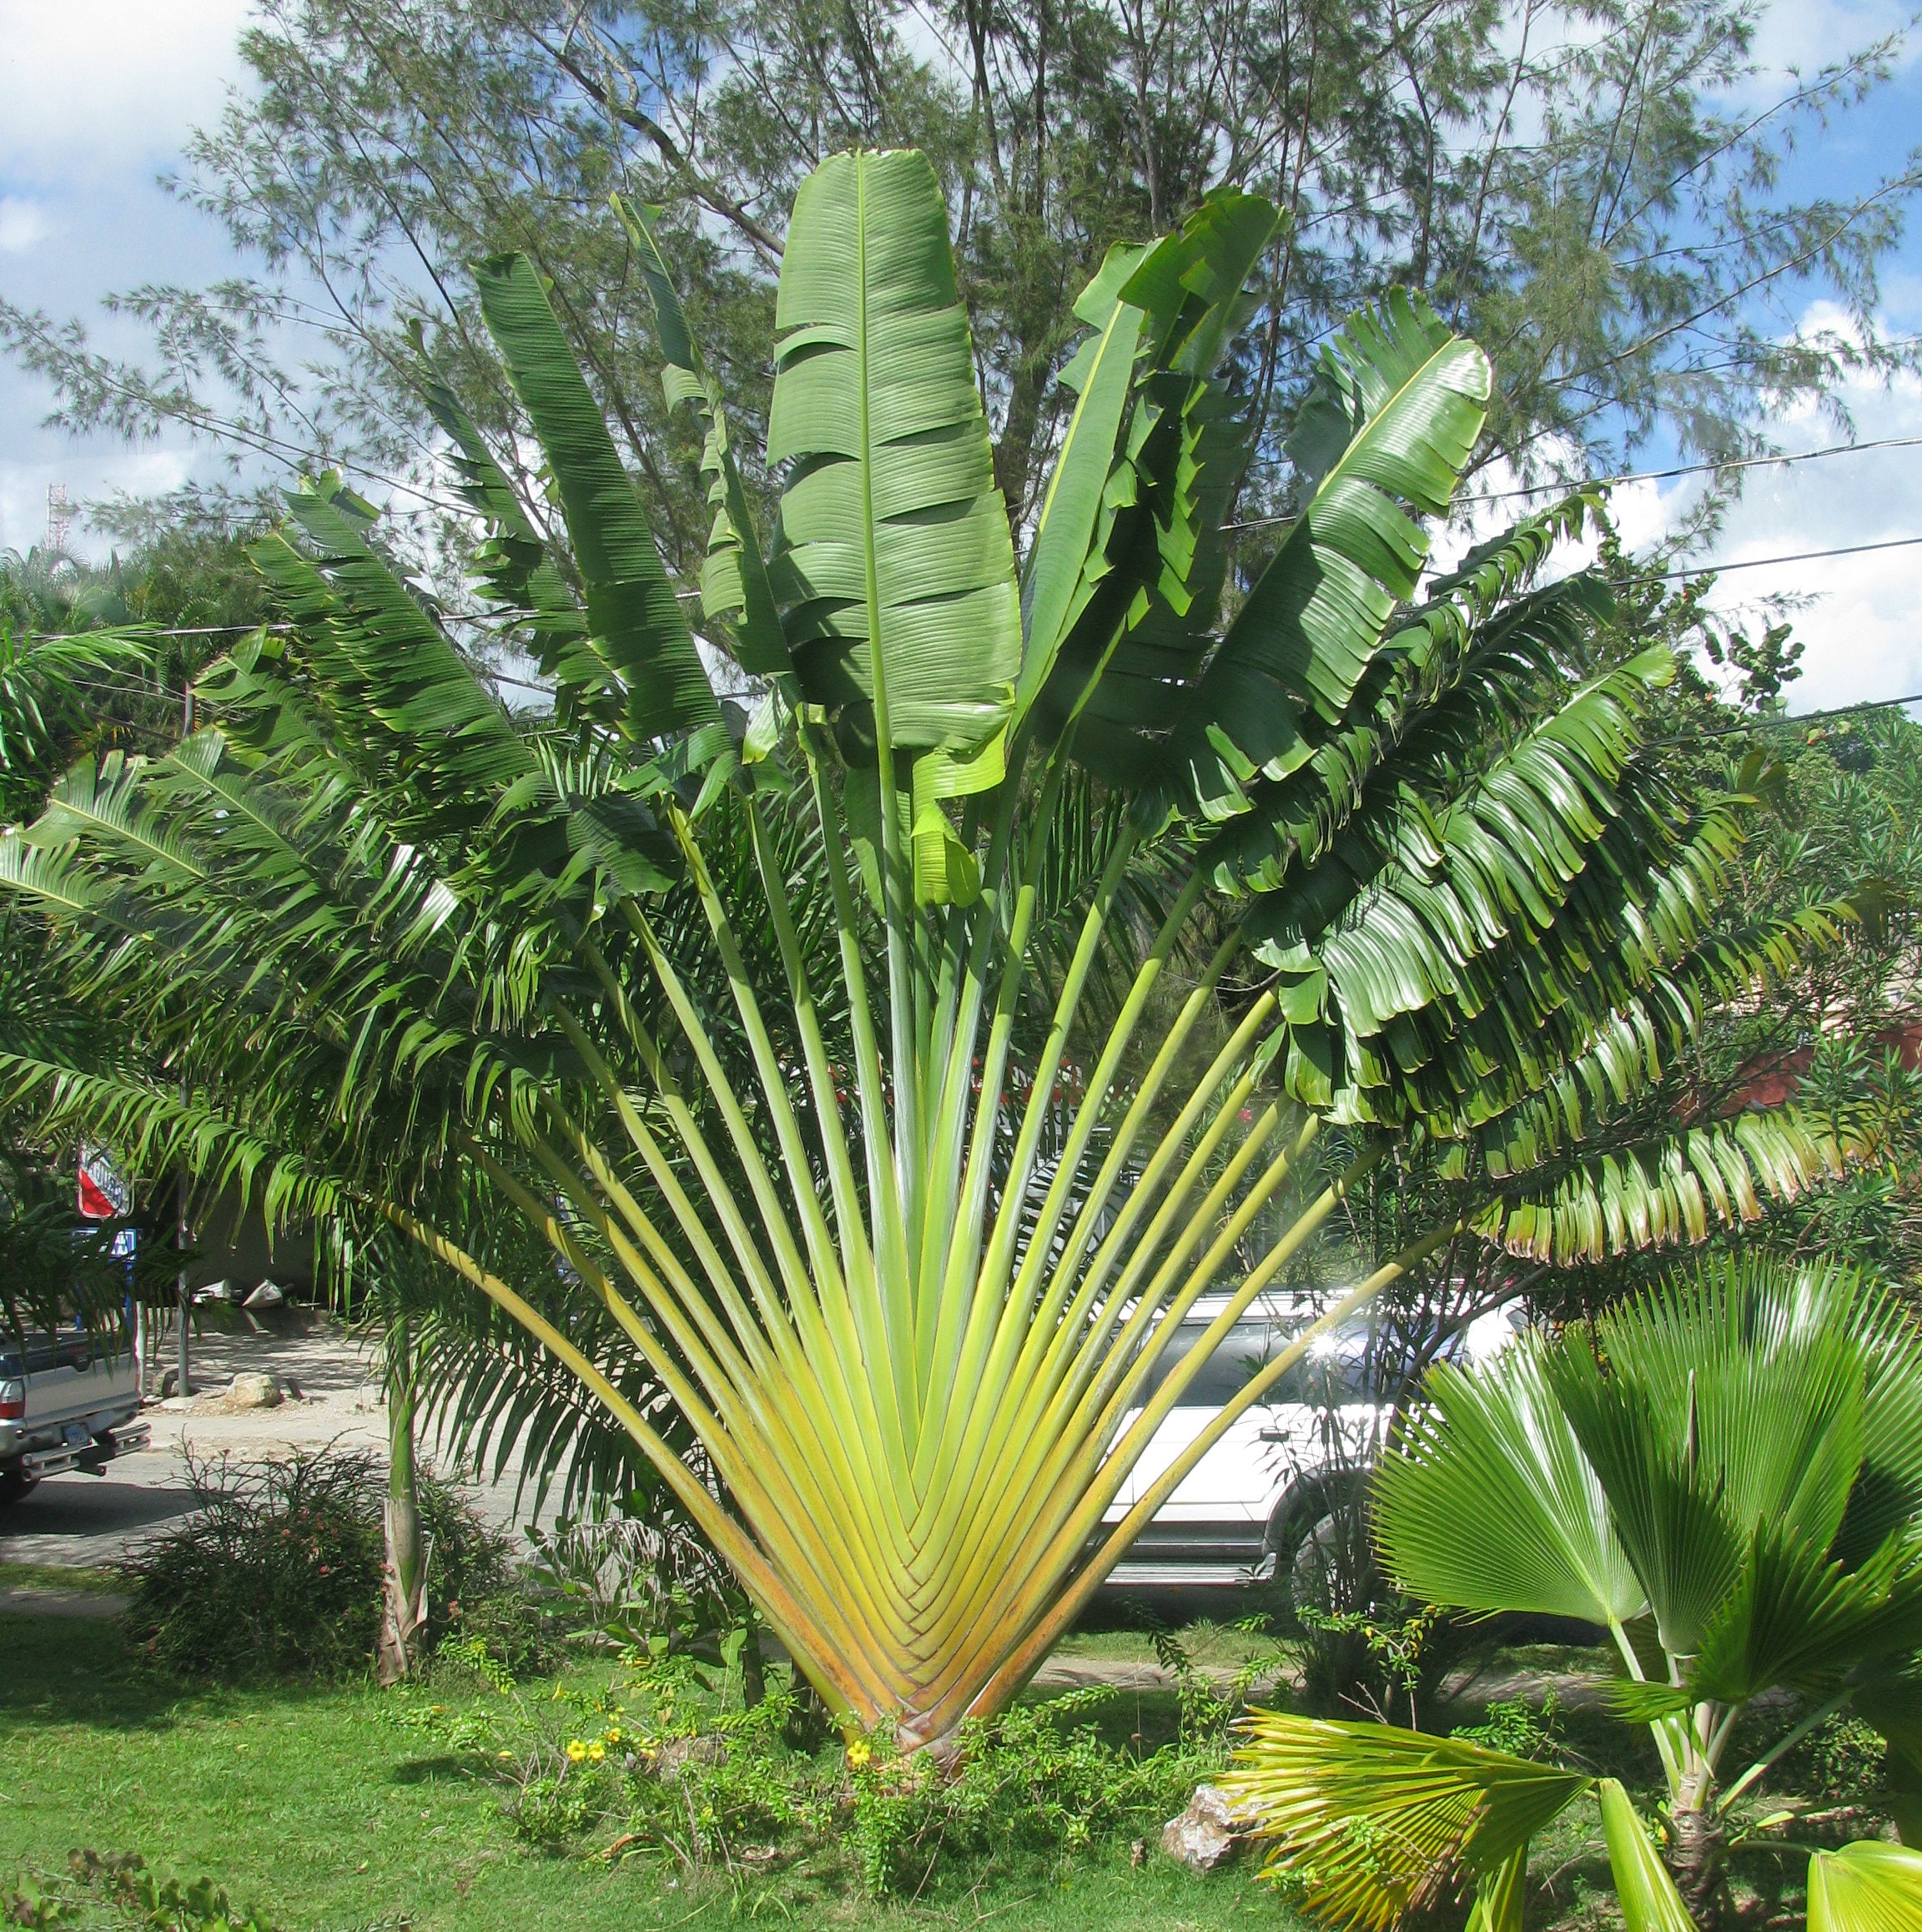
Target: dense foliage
(275, 1572)
(1592, 191)
(1394, 857)
(1726, 1476)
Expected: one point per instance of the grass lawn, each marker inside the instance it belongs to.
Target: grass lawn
(332, 1809)
(327, 1811)
(60, 1576)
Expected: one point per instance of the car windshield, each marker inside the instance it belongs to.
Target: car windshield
(1333, 1371)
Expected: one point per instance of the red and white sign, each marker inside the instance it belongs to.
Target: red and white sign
(104, 1196)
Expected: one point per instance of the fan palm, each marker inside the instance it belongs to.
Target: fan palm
(894, 1239)
(1726, 1475)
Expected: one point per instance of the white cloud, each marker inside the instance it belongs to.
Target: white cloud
(1860, 630)
(22, 225)
(1808, 35)
(91, 471)
(1856, 616)
(92, 86)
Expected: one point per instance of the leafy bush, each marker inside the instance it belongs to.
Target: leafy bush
(123, 1895)
(276, 1573)
(1839, 1762)
(1040, 1778)
(669, 1764)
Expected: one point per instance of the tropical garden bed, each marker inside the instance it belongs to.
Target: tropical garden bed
(346, 1805)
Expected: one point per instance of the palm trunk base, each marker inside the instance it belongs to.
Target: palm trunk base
(403, 1595)
(1698, 1858)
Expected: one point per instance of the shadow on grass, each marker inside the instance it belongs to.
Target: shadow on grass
(68, 1670)
(432, 1770)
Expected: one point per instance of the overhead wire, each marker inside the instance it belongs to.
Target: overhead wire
(1569, 486)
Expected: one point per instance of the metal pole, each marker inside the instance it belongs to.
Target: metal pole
(185, 1387)
(180, 1293)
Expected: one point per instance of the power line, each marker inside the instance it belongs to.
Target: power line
(1652, 476)
(1704, 469)
(1756, 563)
(1675, 576)
(1799, 717)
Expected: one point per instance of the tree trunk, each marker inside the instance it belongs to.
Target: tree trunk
(403, 1577)
(753, 1669)
(1697, 1858)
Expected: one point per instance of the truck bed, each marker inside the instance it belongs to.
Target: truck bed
(68, 1400)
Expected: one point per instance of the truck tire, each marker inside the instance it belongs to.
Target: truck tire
(1302, 1533)
(14, 1483)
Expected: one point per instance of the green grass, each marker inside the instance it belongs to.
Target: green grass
(323, 1810)
(348, 1807)
(60, 1577)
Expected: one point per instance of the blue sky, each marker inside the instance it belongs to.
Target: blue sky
(97, 96)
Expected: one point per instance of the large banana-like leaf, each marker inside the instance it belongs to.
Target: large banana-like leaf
(1489, 1504)
(893, 557)
(513, 565)
(1398, 404)
(1369, 1821)
(633, 620)
(443, 730)
(1866, 1887)
(1646, 1893)
(734, 581)
(1125, 577)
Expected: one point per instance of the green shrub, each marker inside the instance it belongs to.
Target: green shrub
(669, 1764)
(122, 1894)
(1839, 1762)
(277, 1571)
(1038, 1780)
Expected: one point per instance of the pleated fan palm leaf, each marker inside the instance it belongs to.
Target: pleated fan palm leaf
(1364, 1822)
(1725, 1475)
(886, 1068)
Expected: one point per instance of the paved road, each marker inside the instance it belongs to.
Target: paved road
(86, 1521)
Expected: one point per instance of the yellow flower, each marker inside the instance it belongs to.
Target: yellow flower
(597, 1750)
(614, 1735)
(504, 1753)
(576, 1750)
(858, 1753)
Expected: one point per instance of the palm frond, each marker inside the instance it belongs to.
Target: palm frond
(1369, 1820)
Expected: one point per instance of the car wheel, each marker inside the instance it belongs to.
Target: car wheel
(1328, 1574)
(14, 1483)
(1310, 1534)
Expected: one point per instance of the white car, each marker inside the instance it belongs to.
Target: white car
(1283, 1465)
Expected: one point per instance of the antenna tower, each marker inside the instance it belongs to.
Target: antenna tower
(59, 519)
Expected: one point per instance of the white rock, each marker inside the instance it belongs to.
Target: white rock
(247, 1390)
(1207, 1833)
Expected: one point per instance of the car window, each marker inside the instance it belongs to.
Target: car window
(1248, 1346)
(1327, 1375)
(45, 1352)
